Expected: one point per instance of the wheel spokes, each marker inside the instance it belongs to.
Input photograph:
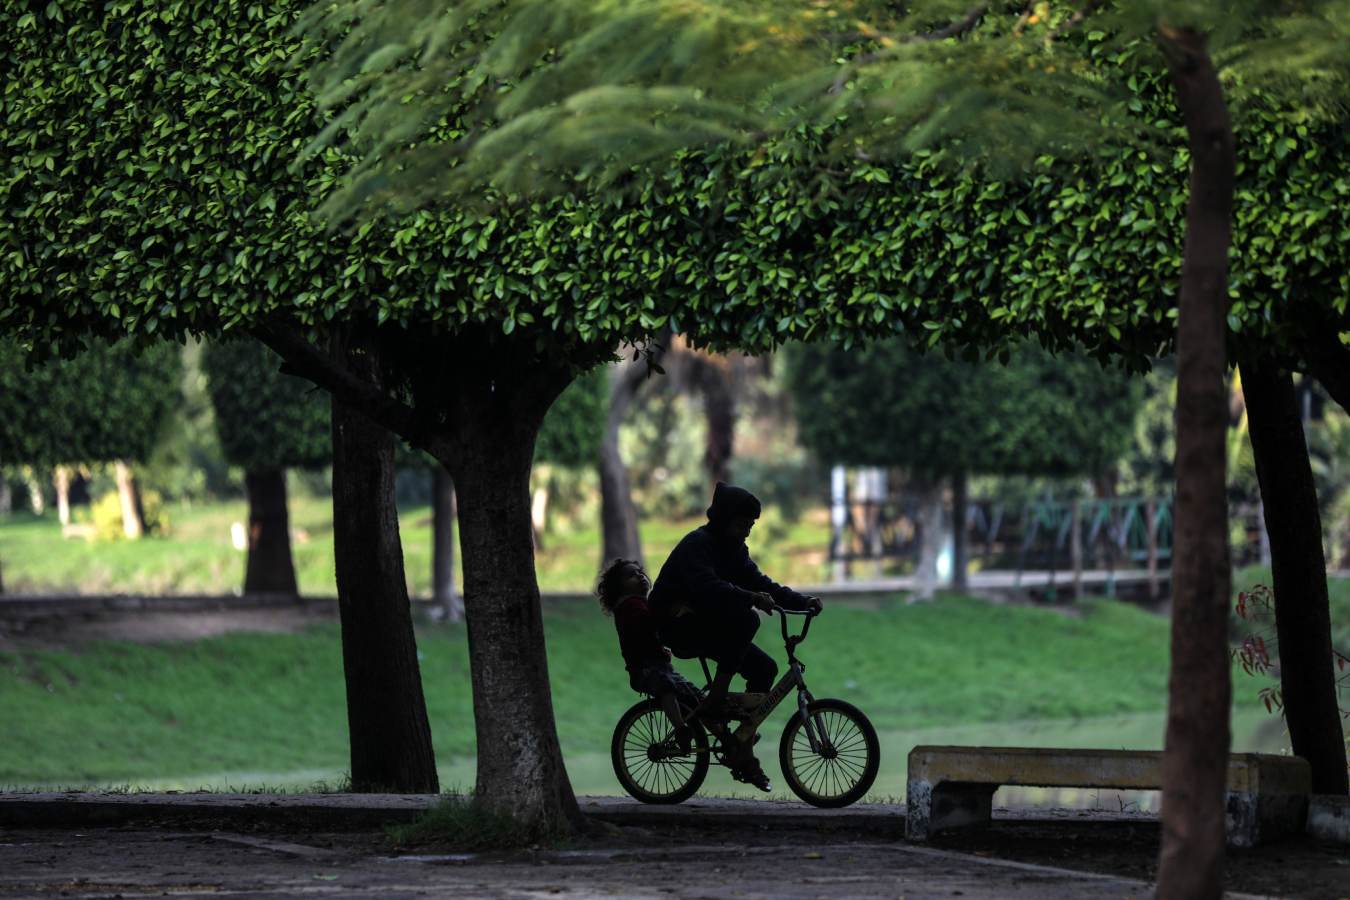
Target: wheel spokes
(662, 776)
(830, 776)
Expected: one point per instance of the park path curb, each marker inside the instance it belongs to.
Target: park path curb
(341, 812)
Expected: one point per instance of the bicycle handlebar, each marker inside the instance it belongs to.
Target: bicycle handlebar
(793, 640)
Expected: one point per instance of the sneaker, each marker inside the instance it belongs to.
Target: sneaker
(752, 773)
(684, 738)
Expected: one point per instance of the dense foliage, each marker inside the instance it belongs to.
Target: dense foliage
(153, 186)
(265, 419)
(108, 403)
(887, 405)
(571, 433)
(151, 189)
(841, 202)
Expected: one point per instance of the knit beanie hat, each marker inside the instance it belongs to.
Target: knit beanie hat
(729, 501)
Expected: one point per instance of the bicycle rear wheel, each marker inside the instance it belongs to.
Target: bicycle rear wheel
(646, 760)
(841, 771)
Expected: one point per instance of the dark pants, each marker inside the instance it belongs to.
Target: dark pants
(724, 635)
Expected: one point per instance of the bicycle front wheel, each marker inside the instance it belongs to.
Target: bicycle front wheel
(646, 761)
(842, 766)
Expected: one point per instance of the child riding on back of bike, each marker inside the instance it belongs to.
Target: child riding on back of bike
(622, 591)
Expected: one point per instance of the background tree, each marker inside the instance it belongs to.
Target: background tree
(619, 533)
(570, 438)
(891, 405)
(106, 405)
(267, 422)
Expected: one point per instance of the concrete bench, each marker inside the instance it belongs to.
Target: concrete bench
(953, 787)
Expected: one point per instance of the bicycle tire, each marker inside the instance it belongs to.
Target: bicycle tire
(671, 780)
(836, 781)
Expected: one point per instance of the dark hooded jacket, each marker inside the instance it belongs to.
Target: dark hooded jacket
(706, 570)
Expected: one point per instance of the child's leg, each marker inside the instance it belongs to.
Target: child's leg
(671, 704)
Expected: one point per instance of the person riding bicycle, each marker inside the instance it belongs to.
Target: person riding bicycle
(705, 599)
(622, 590)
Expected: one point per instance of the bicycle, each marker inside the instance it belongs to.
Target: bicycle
(829, 752)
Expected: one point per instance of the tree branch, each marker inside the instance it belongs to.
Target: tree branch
(952, 29)
(1074, 20)
(1328, 360)
(302, 358)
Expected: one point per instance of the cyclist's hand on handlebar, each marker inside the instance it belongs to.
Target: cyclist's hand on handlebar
(763, 602)
(814, 605)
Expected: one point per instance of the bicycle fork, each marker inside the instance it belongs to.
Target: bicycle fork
(815, 734)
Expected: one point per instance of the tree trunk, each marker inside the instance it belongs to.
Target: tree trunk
(6, 496)
(1302, 615)
(1195, 758)
(37, 502)
(443, 545)
(520, 765)
(270, 569)
(930, 536)
(960, 532)
(133, 525)
(386, 712)
(719, 407)
(61, 481)
(618, 515)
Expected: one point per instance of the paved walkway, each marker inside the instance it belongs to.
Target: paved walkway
(139, 863)
(341, 812)
(286, 845)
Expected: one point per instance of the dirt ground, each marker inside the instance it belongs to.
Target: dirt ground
(1009, 861)
(72, 631)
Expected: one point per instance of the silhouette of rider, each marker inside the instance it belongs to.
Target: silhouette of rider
(705, 599)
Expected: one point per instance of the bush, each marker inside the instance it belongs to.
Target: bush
(107, 514)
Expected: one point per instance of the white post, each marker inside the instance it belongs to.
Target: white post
(838, 518)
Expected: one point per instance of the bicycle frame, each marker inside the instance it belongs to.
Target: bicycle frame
(792, 678)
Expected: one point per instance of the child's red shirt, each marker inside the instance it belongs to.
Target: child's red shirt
(638, 640)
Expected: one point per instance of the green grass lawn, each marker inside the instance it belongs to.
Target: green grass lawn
(196, 556)
(268, 708)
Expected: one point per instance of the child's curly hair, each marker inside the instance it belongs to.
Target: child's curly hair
(609, 588)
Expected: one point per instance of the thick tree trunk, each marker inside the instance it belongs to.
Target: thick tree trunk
(520, 765)
(386, 712)
(960, 543)
(61, 477)
(618, 515)
(443, 514)
(1194, 768)
(1302, 615)
(270, 569)
(133, 525)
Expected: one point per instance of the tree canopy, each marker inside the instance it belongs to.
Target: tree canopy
(887, 405)
(265, 419)
(108, 403)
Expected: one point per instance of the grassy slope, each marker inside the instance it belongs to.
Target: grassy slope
(274, 703)
(197, 556)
